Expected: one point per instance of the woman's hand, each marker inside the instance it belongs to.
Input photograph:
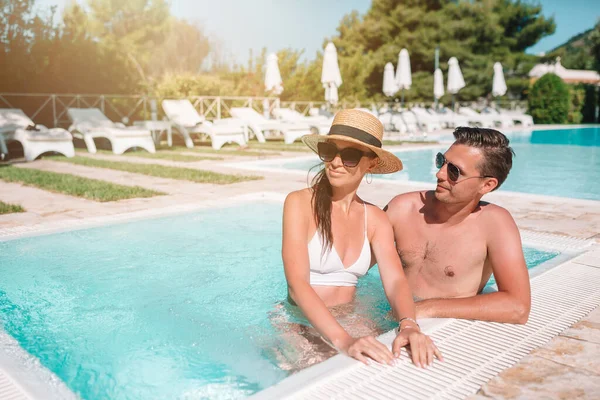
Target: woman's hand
(421, 346)
(367, 347)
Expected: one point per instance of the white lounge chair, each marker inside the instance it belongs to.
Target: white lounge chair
(429, 122)
(451, 119)
(261, 125)
(35, 139)
(91, 123)
(392, 121)
(186, 119)
(485, 120)
(320, 124)
(517, 116)
(501, 120)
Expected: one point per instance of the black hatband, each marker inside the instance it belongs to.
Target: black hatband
(355, 133)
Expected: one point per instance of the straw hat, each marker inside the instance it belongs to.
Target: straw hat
(360, 127)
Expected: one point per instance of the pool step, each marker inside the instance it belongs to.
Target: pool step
(9, 390)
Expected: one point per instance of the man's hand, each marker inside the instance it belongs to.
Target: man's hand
(421, 346)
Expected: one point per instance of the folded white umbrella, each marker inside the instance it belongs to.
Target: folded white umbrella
(390, 87)
(331, 78)
(273, 82)
(403, 74)
(455, 77)
(499, 84)
(438, 84)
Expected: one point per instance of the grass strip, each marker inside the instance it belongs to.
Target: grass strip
(171, 156)
(227, 150)
(161, 171)
(6, 208)
(160, 155)
(72, 185)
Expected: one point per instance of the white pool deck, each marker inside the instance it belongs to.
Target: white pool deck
(555, 355)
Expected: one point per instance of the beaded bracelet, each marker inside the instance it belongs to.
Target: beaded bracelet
(408, 319)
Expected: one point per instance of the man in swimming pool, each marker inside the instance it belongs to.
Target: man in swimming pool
(450, 242)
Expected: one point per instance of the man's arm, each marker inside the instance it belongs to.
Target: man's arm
(512, 302)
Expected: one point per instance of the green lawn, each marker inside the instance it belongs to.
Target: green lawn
(227, 150)
(161, 171)
(6, 208)
(72, 185)
(160, 155)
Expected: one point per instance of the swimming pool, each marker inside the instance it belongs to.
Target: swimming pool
(562, 162)
(166, 308)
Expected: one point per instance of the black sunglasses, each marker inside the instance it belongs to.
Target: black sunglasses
(453, 170)
(350, 156)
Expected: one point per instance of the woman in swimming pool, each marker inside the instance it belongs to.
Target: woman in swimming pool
(329, 234)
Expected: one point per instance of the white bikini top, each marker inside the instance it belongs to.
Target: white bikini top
(327, 268)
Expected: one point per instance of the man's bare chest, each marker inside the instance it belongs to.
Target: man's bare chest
(442, 254)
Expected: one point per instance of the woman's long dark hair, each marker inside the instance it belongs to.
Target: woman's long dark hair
(321, 205)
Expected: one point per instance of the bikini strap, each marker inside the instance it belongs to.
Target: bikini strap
(365, 207)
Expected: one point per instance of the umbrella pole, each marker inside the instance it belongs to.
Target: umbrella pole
(452, 101)
(402, 99)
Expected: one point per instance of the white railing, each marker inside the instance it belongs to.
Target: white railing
(51, 109)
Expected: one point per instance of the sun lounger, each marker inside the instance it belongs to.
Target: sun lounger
(261, 125)
(517, 116)
(187, 121)
(90, 124)
(484, 120)
(426, 120)
(503, 121)
(35, 139)
(318, 124)
(451, 119)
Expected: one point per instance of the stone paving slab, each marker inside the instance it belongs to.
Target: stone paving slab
(539, 378)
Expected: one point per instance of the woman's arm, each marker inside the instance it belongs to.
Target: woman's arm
(398, 291)
(297, 212)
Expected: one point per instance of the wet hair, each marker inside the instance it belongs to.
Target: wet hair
(321, 205)
(494, 146)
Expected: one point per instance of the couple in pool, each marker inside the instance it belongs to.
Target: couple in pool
(435, 249)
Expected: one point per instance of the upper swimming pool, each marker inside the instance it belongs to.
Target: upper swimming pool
(167, 308)
(563, 162)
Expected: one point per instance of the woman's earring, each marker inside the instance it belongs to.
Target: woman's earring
(369, 178)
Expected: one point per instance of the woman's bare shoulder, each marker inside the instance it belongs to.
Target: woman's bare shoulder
(299, 200)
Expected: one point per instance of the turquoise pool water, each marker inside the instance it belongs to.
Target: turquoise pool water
(562, 163)
(167, 308)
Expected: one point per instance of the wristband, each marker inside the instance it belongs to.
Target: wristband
(407, 319)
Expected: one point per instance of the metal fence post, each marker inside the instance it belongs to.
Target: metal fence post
(54, 111)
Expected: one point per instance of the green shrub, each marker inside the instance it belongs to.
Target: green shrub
(576, 97)
(592, 100)
(549, 100)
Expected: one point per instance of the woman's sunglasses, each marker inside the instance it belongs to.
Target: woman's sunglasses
(453, 170)
(350, 156)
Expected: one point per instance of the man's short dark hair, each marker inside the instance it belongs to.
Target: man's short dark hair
(497, 154)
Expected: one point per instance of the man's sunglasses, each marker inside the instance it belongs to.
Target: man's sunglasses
(350, 156)
(453, 170)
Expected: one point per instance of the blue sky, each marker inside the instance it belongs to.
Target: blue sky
(241, 25)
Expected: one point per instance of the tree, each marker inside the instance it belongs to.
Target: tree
(549, 100)
(478, 33)
(132, 28)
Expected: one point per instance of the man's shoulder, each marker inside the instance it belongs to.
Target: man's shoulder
(491, 211)
(406, 201)
(497, 221)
